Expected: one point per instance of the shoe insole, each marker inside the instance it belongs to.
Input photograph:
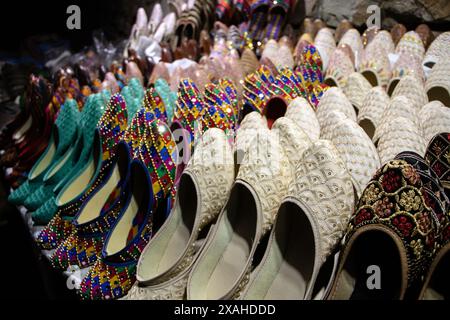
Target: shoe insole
(20, 133)
(45, 162)
(368, 127)
(276, 108)
(95, 204)
(440, 94)
(371, 77)
(236, 234)
(132, 218)
(371, 248)
(77, 186)
(185, 210)
(294, 245)
(439, 286)
(61, 163)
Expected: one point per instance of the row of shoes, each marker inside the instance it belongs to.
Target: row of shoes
(144, 189)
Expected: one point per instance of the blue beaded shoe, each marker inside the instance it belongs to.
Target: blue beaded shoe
(112, 126)
(151, 181)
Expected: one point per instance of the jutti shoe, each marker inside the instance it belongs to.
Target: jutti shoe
(372, 109)
(352, 38)
(278, 14)
(434, 119)
(113, 274)
(339, 69)
(107, 135)
(309, 225)
(438, 84)
(256, 92)
(438, 156)
(324, 42)
(189, 109)
(357, 151)
(64, 134)
(93, 220)
(203, 191)
(334, 99)
(302, 113)
(405, 65)
(403, 135)
(221, 112)
(224, 265)
(412, 44)
(437, 50)
(356, 89)
(375, 66)
(396, 218)
(412, 88)
(399, 107)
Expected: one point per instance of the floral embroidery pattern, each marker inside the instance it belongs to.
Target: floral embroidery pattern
(409, 200)
(383, 208)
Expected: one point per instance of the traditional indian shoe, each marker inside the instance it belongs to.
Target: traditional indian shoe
(352, 38)
(278, 13)
(114, 272)
(356, 89)
(111, 126)
(438, 85)
(310, 223)
(339, 69)
(110, 131)
(324, 42)
(437, 155)
(372, 109)
(172, 250)
(357, 151)
(399, 106)
(75, 162)
(411, 43)
(64, 134)
(54, 173)
(219, 112)
(88, 229)
(249, 61)
(224, 265)
(256, 92)
(434, 119)
(258, 13)
(402, 136)
(189, 109)
(375, 66)
(405, 65)
(411, 87)
(396, 222)
(334, 99)
(437, 50)
(301, 112)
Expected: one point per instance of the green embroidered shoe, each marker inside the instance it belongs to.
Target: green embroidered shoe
(64, 133)
(108, 133)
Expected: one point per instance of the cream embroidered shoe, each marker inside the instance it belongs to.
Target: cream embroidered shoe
(334, 99)
(310, 223)
(434, 118)
(324, 42)
(339, 68)
(356, 89)
(203, 191)
(352, 38)
(224, 265)
(437, 50)
(301, 112)
(372, 110)
(412, 44)
(403, 135)
(399, 106)
(412, 88)
(438, 82)
(405, 65)
(357, 151)
(332, 119)
(293, 140)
